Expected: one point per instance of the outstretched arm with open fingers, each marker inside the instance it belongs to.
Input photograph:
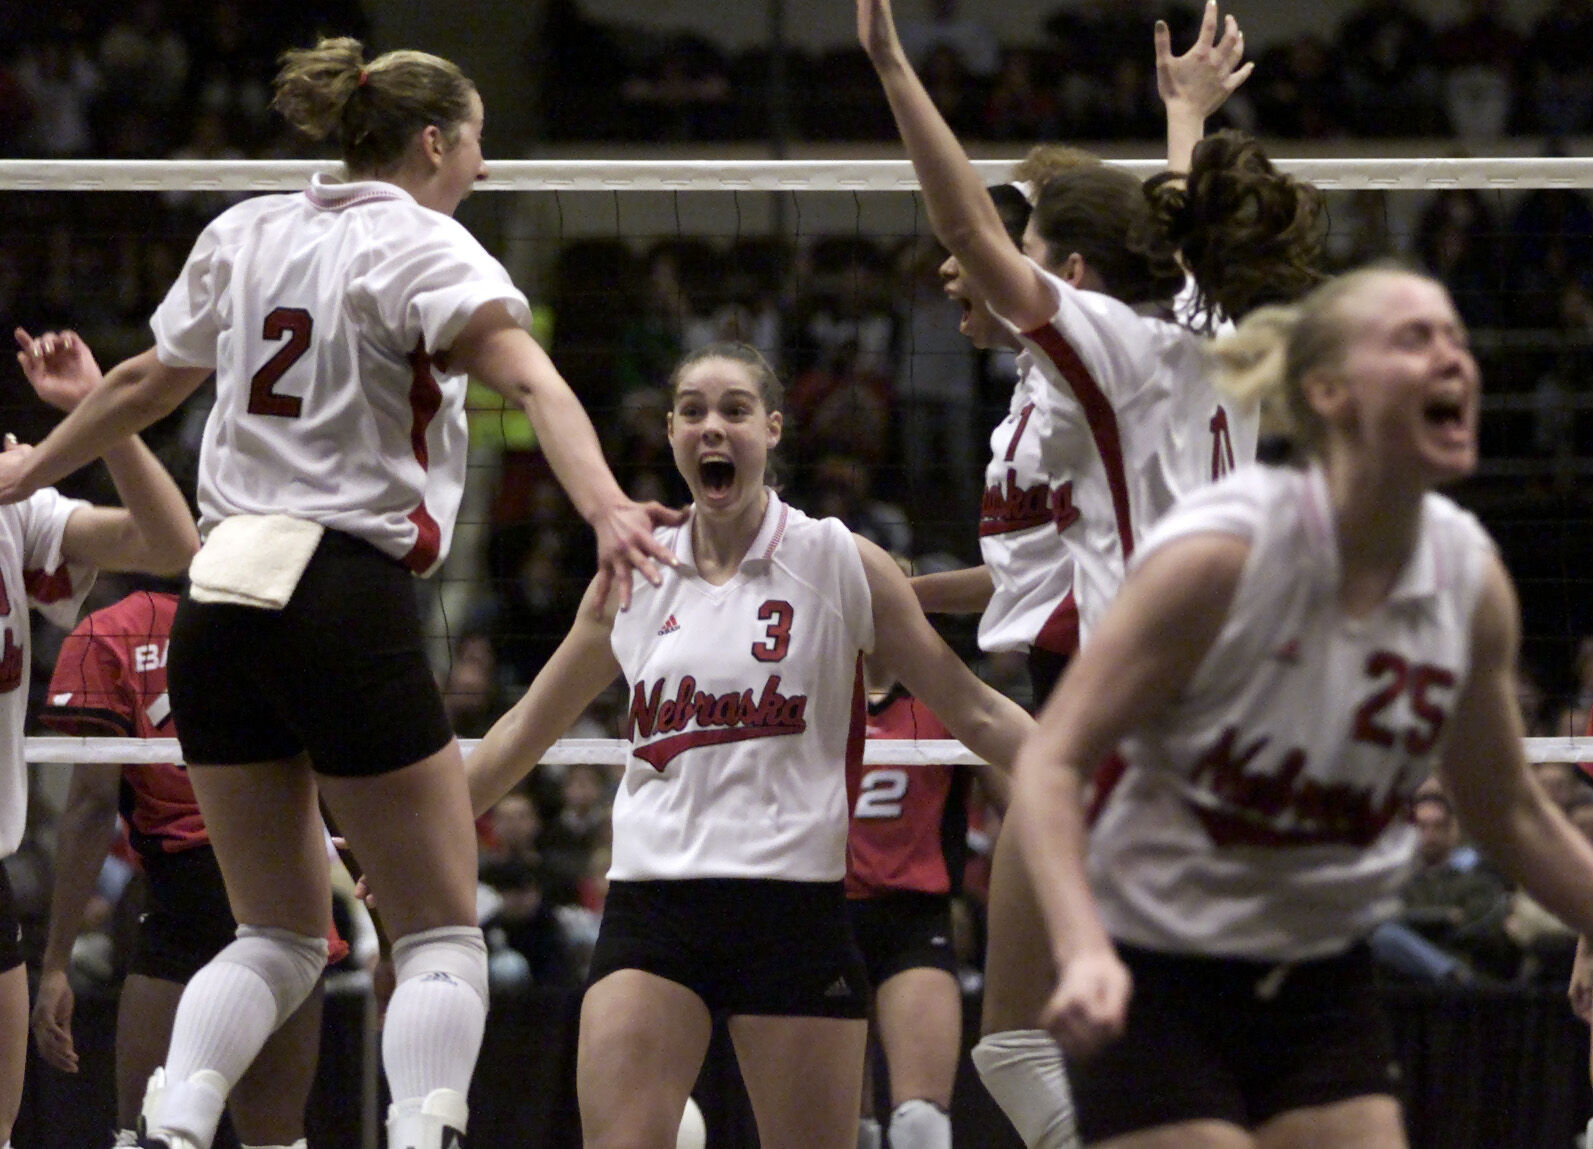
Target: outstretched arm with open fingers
(1194, 85)
(498, 351)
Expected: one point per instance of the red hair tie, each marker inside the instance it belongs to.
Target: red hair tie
(364, 76)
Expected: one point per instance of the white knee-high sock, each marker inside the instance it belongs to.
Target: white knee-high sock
(227, 1011)
(1022, 1069)
(437, 1014)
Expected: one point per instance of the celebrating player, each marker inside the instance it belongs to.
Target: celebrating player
(49, 548)
(341, 324)
(730, 824)
(1113, 417)
(1293, 652)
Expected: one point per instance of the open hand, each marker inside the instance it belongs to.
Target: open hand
(625, 543)
(59, 365)
(1202, 79)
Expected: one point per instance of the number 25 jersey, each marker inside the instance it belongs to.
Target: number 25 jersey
(1263, 815)
(746, 704)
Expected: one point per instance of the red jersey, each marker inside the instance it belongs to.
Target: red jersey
(909, 826)
(110, 679)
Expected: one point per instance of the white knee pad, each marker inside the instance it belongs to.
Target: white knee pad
(1022, 1069)
(457, 951)
(290, 964)
(919, 1124)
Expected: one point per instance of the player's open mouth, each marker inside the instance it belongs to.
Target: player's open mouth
(717, 475)
(1445, 413)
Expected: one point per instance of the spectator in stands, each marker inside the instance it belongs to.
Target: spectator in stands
(1388, 54)
(683, 93)
(970, 41)
(1455, 898)
(1479, 54)
(843, 489)
(1551, 230)
(473, 692)
(518, 918)
(1298, 89)
(513, 826)
(1559, 86)
(1457, 244)
(59, 78)
(1021, 106)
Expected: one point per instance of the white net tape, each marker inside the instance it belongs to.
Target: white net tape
(758, 175)
(614, 752)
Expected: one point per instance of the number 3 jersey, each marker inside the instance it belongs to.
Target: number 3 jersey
(1263, 816)
(322, 314)
(746, 704)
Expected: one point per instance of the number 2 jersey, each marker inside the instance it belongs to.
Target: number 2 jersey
(909, 823)
(1112, 420)
(33, 573)
(322, 314)
(746, 704)
(1263, 815)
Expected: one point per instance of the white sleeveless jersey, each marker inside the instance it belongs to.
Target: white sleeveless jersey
(33, 573)
(1113, 419)
(746, 704)
(1263, 815)
(322, 313)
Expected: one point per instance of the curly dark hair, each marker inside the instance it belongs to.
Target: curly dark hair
(1250, 235)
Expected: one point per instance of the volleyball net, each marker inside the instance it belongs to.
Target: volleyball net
(829, 267)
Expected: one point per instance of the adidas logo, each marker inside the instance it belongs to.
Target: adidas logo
(939, 940)
(838, 988)
(670, 626)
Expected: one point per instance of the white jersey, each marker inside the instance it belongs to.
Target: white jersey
(34, 573)
(1113, 419)
(746, 705)
(323, 313)
(1263, 815)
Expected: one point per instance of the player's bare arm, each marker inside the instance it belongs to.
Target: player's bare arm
(576, 673)
(1485, 773)
(980, 717)
(1145, 650)
(498, 351)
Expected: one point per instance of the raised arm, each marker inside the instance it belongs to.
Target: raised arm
(1484, 768)
(960, 209)
(499, 352)
(153, 530)
(83, 837)
(1144, 651)
(1193, 86)
(980, 717)
(577, 672)
(135, 394)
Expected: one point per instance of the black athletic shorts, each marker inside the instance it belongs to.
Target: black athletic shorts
(903, 930)
(1236, 1041)
(10, 928)
(743, 945)
(339, 672)
(186, 919)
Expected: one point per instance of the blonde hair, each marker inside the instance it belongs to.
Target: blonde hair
(371, 110)
(1268, 357)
